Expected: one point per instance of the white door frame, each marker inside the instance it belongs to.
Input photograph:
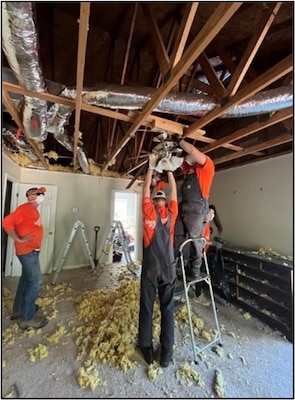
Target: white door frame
(127, 193)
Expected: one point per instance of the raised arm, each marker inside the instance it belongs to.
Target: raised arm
(147, 183)
(196, 154)
(172, 186)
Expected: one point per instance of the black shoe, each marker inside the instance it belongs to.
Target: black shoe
(166, 357)
(148, 354)
(194, 273)
(35, 323)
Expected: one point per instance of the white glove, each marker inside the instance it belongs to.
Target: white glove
(154, 163)
(176, 162)
(170, 163)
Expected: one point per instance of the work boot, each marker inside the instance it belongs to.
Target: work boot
(148, 354)
(35, 323)
(17, 314)
(166, 357)
(194, 273)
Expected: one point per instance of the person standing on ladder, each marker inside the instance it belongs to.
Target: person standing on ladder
(158, 266)
(198, 171)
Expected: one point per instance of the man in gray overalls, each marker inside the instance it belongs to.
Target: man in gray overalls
(198, 171)
(158, 268)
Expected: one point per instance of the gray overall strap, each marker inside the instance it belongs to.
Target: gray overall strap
(191, 190)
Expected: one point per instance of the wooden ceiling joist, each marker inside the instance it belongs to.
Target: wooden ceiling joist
(264, 80)
(277, 117)
(252, 48)
(257, 147)
(215, 23)
(82, 43)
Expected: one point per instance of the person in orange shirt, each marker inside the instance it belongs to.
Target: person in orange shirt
(198, 170)
(211, 216)
(158, 273)
(24, 226)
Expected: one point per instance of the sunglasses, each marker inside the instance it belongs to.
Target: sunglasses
(39, 194)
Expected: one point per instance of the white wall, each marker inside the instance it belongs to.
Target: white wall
(91, 195)
(255, 204)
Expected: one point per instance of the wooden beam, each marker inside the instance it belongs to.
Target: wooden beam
(257, 147)
(212, 27)
(270, 76)
(159, 46)
(217, 85)
(129, 43)
(277, 117)
(190, 81)
(252, 48)
(10, 106)
(138, 173)
(183, 32)
(82, 43)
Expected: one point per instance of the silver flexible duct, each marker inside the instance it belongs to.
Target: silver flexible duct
(17, 145)
(20, 44)
(58, 118)
(129, 98)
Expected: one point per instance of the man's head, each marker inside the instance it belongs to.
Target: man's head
(36, 194)
(159, 197)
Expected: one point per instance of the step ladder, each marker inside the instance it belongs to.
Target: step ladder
(116, 227)
(78, 224)
(204, 277)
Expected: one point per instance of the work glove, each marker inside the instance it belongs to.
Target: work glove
(170, 163)
(153, 159)
(153, 163)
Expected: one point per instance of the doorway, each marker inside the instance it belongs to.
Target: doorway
(6, 211)
(125, 210)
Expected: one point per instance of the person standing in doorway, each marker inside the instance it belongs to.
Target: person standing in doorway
(24, 226)
(198, 171)
(158, 268)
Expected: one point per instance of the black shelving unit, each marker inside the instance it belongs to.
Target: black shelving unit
(262, 286)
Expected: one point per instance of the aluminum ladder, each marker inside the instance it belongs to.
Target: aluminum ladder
(204, 277)
(116, 226)
(78, 224)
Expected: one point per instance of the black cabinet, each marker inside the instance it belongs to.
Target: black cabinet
(261, 285)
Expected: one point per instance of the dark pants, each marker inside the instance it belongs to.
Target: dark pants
(190, 224)
(149, 288)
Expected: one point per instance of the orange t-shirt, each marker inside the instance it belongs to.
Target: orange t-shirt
(25, 220)
(150, 218)
(204, 172)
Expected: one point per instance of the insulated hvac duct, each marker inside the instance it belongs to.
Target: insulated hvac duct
(20, 45)
(17, 145)
(129, 98)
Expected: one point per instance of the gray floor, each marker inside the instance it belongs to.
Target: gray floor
(254, 361)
